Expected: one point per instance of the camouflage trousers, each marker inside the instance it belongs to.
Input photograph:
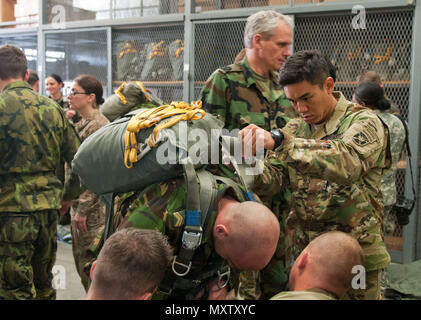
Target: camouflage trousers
(372, 289)
(389, 224)
(81, 243)
(28, 246)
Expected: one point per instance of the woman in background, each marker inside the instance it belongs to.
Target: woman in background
(88, 212)
(371, 95)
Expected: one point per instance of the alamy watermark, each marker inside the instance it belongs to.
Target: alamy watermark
(59, 277)
(210, 149)
(358, 282)
(359, 20)
(58, 20)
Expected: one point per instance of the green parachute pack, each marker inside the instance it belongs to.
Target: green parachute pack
(145, 147)
(128, 97)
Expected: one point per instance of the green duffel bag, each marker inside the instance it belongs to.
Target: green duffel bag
(128, 97)
(100, 160)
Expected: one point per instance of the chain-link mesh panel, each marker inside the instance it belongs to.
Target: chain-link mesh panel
(110, 9)
(383, 44)
(70, 54)
(207, 5)
(215, 45)
(154, 55)
(29, 45)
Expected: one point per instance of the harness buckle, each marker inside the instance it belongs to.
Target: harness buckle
(187, 267)
(224, 273)
(191, 240)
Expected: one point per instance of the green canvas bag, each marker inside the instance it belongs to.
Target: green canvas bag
(100, 164)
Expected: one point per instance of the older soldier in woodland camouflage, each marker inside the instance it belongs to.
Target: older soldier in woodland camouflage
(333, 159)
(34, 137)
(248, 92)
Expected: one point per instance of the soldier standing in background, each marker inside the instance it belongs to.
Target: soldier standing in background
(33, 80)
(35, 137)
(248, 92)
(88, 212)
(373, 76)
(332, 159)
(371, 95)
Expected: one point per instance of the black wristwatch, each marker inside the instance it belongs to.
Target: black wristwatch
(278, 136)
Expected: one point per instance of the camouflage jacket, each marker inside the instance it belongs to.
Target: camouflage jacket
(162, 207)
(35, 137)
(89, 202)
(334, 175)
(397, 144)
(234, 94)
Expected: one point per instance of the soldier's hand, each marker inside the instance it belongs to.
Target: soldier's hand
(65, 205)
(80, 223)
(70, 114)
(254, 137)
(216, 293)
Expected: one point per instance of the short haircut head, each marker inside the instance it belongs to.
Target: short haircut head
(264, 23)
(335, 254)
(131, 263)
(13, 62)
(307, 65)
(91, 85)
(33, 77)
(372, 94)
(370, 76)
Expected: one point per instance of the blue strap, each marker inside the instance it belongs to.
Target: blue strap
(193, 218)
(251, 197)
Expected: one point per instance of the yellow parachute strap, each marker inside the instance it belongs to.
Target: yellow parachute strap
(158, 49)
(150, 117)
(379, 58)
(180, 49)
(352, 55)
(121, 87)
(128, 48)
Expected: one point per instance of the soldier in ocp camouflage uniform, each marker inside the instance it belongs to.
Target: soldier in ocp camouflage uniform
(248, 92)
(34, 137)
(162, 207)
(371, 95)
(332, 159)
(88, 211)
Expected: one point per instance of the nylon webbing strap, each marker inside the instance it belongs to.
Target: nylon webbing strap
(408, 151)
(231, 183)
(208, 192)
(192, 235)
(228, 145)
(108, 199)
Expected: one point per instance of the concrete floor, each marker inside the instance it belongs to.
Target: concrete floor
(66, 279)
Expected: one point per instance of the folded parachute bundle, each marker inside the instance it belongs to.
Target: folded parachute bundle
(145, 147)
(128, 97)
(157, 63)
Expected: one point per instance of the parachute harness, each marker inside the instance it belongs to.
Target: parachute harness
(150, 117)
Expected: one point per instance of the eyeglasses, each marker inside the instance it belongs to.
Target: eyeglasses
(73, 93)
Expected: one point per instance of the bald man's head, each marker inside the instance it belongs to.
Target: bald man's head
(331, 257)
(246, 234)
